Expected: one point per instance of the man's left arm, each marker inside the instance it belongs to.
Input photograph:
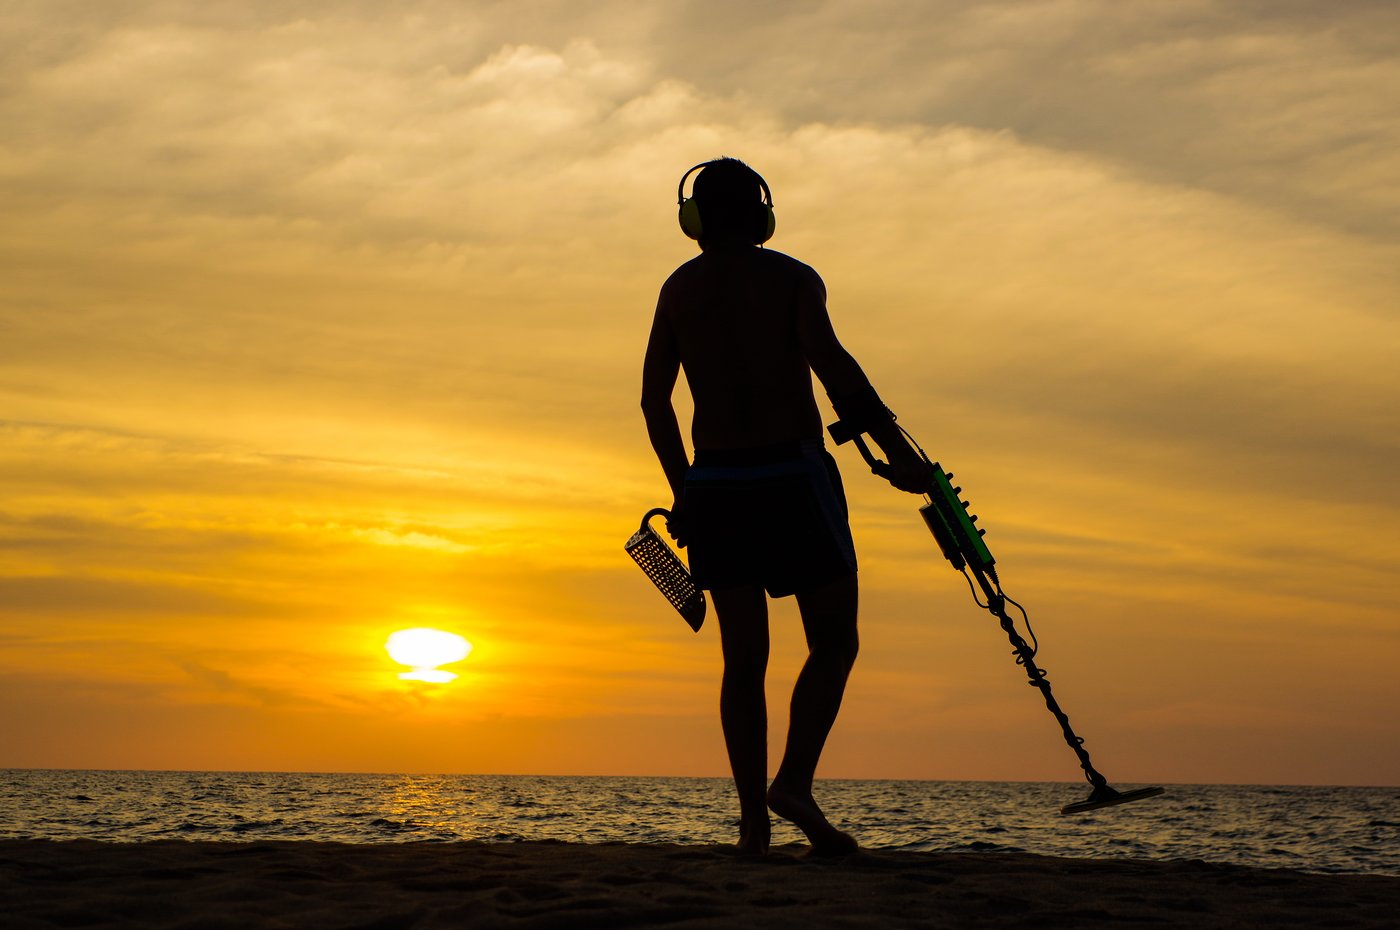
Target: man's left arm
(841, 375)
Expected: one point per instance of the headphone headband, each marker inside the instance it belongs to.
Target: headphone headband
(680, 188)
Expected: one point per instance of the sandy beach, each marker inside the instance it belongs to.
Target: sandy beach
(174, 884)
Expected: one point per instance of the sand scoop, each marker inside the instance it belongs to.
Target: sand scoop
(666, 570)
(953, 527)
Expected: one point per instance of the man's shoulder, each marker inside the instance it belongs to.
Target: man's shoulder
(686, 269)
(802, 276)
(786, 263)
(781, 258)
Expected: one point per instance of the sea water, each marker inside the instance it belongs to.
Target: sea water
(1314, 829)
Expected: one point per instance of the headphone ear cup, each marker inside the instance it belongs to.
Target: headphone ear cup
(689, 217)
(767, 222)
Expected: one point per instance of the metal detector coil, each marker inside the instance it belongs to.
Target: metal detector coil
(666, 570)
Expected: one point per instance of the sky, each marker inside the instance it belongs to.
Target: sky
(324, 320)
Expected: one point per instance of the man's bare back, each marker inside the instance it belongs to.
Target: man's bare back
(734, 315)
(750, 326)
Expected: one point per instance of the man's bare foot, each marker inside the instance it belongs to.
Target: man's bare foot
(802, 810)
(754, 837)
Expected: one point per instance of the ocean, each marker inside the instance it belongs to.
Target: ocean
(1312, 829)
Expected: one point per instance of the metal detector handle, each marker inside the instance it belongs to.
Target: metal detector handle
(946, 514)
(842, 434)
(878, 466)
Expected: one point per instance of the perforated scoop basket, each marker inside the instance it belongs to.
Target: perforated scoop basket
(667, 571)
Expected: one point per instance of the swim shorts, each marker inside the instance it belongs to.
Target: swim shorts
(774, 516)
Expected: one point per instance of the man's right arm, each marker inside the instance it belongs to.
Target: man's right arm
(660, 370)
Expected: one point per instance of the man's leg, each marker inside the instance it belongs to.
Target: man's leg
(829, 620)
(743, 711)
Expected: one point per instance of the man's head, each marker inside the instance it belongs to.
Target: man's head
(729, 201)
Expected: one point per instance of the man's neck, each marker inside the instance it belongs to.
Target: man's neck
(727, 244)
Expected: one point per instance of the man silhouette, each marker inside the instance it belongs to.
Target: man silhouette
(762, 507)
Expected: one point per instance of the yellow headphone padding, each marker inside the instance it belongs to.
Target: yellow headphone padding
(689, 210)
(690, 218)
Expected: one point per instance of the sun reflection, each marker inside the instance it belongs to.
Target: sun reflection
(423, 650)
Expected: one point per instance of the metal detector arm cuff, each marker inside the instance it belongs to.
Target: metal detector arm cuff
(857, 412)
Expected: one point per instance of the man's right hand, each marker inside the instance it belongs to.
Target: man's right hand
(675, 524)
(909, 474)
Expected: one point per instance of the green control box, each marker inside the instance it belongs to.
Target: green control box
(952, 525)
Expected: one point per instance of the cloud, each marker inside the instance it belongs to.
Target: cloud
(1280, 103)
(302, 218)
(1277, 104)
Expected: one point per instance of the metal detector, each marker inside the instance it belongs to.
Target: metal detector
(953, 527)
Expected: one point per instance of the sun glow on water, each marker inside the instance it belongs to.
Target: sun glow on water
(423, 650)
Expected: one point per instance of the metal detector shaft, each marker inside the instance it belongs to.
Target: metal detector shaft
(953, 527)
(1025, 657)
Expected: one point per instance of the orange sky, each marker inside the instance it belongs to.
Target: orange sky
(324, 320)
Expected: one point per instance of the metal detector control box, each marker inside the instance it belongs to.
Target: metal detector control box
(952, 525)
(946, 514)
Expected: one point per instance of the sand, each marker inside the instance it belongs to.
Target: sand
(332, 886)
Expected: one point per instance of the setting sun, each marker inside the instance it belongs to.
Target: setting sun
(423, 650)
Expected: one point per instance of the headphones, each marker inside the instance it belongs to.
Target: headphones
(689, 212)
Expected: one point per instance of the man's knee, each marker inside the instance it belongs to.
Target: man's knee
(748, 663)
(841, 649)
